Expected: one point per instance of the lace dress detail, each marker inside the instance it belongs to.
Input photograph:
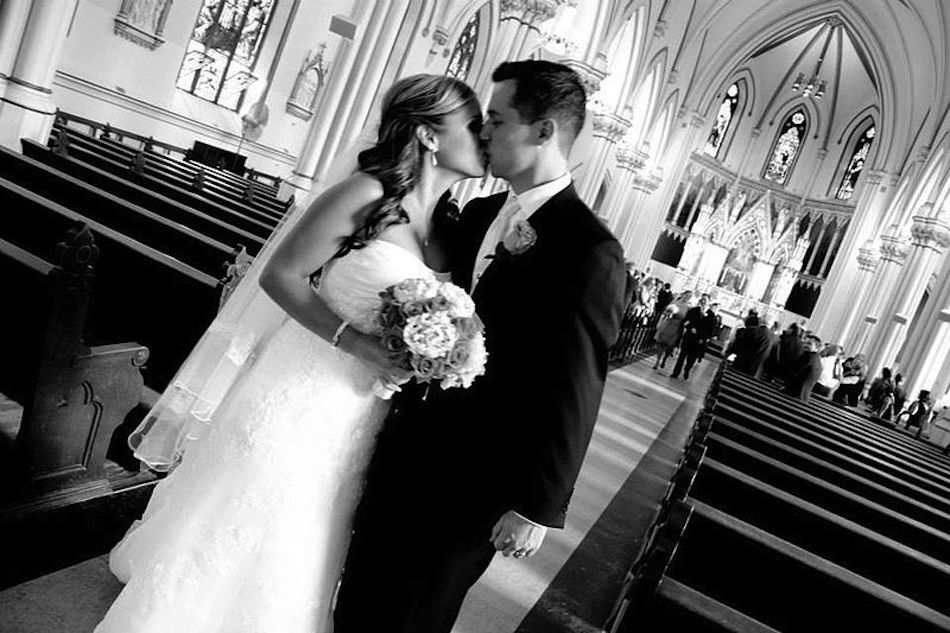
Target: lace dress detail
(249, 533)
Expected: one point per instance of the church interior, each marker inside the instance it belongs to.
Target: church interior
(789, 160)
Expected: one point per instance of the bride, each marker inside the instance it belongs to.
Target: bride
(273, 418)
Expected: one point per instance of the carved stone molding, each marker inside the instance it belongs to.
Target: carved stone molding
(630, 159)
(867, 257)
(142, 21)
(531, 12)
(590, 77)
(310, 81)
(609, 126)
(928, 232)
(894, 249)
(659, 29)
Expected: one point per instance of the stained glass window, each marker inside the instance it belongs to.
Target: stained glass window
(223, 49)
(460, 63)
(723, 118)
(858, 157)
(786, 147)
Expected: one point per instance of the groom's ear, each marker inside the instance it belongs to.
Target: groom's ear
(546, 130)
(426, 136)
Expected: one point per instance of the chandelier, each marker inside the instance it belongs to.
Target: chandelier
(816, 85)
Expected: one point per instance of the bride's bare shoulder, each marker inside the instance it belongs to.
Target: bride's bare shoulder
(358, 189)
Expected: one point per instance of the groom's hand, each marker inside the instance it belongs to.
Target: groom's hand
(515, 535)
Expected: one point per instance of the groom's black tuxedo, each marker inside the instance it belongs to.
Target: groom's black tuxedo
(449, 463)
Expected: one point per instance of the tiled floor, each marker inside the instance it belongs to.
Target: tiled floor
(637, 404)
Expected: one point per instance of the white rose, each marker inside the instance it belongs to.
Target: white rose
(431, 335)
(461, 304)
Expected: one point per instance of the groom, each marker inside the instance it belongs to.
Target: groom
(461, 474)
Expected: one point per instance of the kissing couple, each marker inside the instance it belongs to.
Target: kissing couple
(288, 469)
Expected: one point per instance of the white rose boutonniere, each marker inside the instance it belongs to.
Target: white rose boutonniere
(521, 238)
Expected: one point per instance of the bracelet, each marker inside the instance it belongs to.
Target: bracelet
(335, 341)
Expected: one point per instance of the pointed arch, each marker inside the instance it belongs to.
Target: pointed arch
(731, 108)
(855, 156)
(787, 146)
(644, 100)
(624, 57)
(482, 12)
(662, 125)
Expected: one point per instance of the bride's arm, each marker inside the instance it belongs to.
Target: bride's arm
(333, 216)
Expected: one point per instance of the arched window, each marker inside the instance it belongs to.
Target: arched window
(723, 118)
(223, 49)
(859, 156)
(460, 63)
(786, 147)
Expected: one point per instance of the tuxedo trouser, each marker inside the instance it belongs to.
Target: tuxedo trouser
(397, 581)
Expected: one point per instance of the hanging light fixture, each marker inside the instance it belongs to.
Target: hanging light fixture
(816, 86)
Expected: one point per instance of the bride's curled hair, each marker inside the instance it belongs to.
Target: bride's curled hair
(396, 158)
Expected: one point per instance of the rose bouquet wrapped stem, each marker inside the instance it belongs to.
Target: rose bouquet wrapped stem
(432, 331)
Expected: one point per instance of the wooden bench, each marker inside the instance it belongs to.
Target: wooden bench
(139, 291)
(226, 230)
(118, 166)
(73, 396)
(139, 163)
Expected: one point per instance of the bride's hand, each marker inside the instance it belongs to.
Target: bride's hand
(371, 351)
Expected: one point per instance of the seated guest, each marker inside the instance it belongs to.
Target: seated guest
(853, 373)
(802, 380)
(751, 346)
(918, 413)
(893, 401)
(830, 378)
(880, 388)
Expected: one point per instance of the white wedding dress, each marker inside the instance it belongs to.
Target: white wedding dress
(249, 533)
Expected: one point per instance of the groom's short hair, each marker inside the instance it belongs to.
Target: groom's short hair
(546, 90)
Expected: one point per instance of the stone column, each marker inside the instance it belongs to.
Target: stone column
(692, 126)
(608, 129)
(27, 108)
(643, 186)
(894, 250)
(363, 81)
(930, 236)
(616, 208)
(13, 17)
(869, 212)
(867, 264)
(927, 368)
(342, 64)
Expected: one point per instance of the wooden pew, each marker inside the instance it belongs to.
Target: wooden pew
(142, 164)
(224, 230)
(117, 166)
(73, 396)
(268, 184)
(172, 238)
(139, 291)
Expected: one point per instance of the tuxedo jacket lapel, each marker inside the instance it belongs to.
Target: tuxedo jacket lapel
(477, 217)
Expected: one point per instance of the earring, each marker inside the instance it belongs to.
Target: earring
(434, 159)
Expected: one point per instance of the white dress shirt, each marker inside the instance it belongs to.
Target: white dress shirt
(516, 207)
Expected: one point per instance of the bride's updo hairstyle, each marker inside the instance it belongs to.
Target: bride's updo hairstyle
(396, 158)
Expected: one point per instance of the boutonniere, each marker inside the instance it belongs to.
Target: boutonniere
(521, 238)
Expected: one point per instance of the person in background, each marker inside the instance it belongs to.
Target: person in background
(788, 352)
(664, 297)
(714, 328)
(918, 414)
(802, 380)
(830, 378)
(695, 334)
(854, 371)
(669, 329)
(881, 387)
(751, 346)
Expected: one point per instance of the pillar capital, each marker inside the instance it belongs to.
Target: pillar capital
(930, 232)
(630, 159)
(867, 257)
(894, 249)
(610, 126)
(875, 176)
(532, 12)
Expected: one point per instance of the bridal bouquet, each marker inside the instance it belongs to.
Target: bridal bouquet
(431, 328)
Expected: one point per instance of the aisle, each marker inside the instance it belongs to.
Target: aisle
(638, 403)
